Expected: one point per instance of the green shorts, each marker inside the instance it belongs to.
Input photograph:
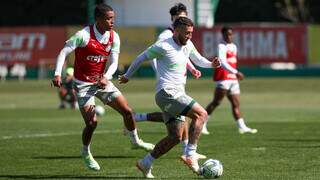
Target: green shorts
(174, 103)
(87, 92)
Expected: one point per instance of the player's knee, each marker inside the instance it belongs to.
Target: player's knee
(91, 125)
(203, 115)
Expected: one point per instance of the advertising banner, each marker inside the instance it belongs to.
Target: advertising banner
(30, 45)
(258, 44)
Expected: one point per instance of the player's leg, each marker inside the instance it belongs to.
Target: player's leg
(153, 117)
(198, 116)
(120, 104)
(62, 92)
(235, 106)
(185, 140)
(89, 116)
(219, 94)
(174, 129)
(85, 95)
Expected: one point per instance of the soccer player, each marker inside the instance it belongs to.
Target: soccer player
(227, 84)
(178, 10)
(94, 45)
(172, 55)
(67, 94)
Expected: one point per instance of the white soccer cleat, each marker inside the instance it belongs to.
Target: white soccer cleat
(146, 171)
(142, 145)
(247, 130)
(205, 130)
(89, 161)
(192, 163)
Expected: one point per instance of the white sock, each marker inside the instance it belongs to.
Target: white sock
(241, 123)
(86, 149)
(134, 138)
(184, 144)
(148, 160)
(140, 117)
(191, 149)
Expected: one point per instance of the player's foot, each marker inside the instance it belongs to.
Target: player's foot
(90, 162)
(199, 156)
(247, 130)
(205, 130)
(192, 163)
(146, 171)
(142, 145)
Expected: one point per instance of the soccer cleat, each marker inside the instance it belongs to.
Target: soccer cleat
(247, 130)
(89, 162)
(142, 145)
(146, 171)
(197, 155)
(192, 163)
(205, 130)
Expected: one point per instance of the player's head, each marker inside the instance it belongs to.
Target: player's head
(104, 16)
(178, 10)
(227, 34)
(183, 28)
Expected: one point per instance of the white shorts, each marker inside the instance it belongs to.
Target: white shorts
(232, 86)
(87, 92)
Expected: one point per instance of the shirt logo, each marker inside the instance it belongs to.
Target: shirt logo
(97, 59)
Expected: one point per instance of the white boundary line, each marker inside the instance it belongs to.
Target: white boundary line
(43, 135)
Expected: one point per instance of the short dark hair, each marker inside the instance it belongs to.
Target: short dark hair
(101, 9)
(225, 29)
(177, 9)
(182, 21)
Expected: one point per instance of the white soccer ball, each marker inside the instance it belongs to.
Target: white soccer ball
(99, 110)
(211, 169)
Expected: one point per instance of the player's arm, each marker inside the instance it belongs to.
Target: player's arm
(201, 61)
(194, 71)
(113, 59)
(154, 52)
(222, 55)
(75, 41)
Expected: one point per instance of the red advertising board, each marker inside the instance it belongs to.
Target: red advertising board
(258, 44)
(31, 45)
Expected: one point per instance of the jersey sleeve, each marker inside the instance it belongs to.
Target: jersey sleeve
(80, 39)
(116, 43)
(155, 51)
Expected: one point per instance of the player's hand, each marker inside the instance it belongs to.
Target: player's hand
(102, 82)
(122, 79)
(56, 81)
(196, 73)
(239, 75)
(216, 62)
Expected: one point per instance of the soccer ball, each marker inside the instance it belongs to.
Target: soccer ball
(99, 110)
(211, 169)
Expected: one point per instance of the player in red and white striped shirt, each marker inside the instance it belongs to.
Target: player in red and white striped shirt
(226, 78)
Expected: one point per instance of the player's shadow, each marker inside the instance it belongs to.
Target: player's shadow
(79, 157)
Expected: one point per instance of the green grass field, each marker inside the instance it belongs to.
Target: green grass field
(38, 141)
